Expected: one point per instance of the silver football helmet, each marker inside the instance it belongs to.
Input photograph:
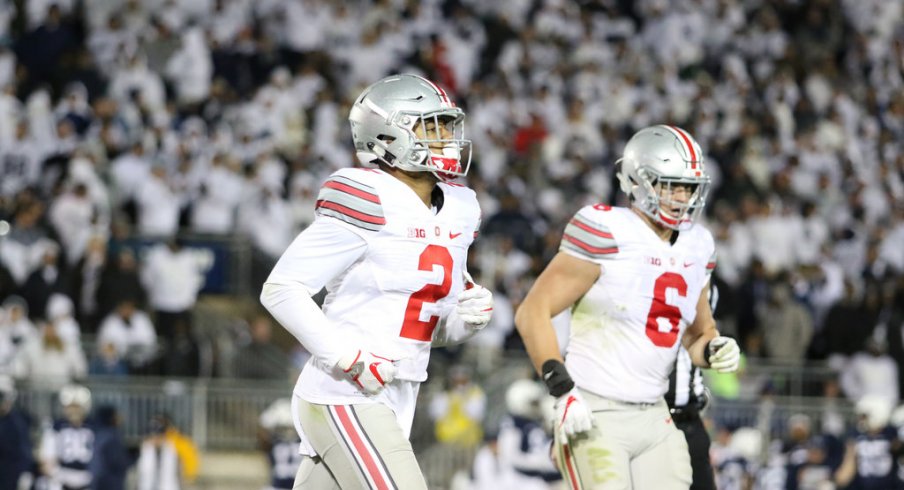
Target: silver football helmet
(656, 160)
(386, 115)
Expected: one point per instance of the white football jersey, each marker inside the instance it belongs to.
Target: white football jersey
(406, 281)
(625, 332)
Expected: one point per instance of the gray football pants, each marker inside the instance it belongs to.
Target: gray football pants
(631, 446)
(358, 446)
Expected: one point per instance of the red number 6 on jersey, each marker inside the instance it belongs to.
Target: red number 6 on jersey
(413, 327)
(660, 309)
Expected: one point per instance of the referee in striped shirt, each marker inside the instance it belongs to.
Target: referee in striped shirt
(687, 398)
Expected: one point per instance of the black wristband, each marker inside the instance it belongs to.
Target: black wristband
(556, 377)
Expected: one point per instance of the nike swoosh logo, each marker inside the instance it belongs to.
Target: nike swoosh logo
(453, 236)
(688, 264)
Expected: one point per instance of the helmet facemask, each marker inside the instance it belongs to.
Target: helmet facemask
(437, 143)
(653, 196)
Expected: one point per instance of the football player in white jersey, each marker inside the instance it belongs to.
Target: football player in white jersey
(635, 280)
(389, 243)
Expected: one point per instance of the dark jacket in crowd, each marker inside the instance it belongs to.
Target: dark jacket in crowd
(111, 459)
(15, 448)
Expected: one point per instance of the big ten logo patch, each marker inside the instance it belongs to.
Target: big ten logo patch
(653, 260)
(416, 232)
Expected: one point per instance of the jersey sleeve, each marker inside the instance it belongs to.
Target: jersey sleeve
(346, 198)
(320, 253)
(588, 238)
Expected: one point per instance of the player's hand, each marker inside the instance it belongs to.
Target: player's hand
(475, 304)
(723, 354)
(573, 416)
(370, 372)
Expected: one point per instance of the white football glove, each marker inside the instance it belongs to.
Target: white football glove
(370, 372)
(573, 416)
(724, 354)
(475, 304)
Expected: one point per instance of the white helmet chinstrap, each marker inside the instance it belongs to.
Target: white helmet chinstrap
(384, 118)
(656, 160)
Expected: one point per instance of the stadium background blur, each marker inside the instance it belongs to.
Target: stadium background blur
(156, 157)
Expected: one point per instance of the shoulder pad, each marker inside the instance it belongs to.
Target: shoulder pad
(588, 237)
(346, 197)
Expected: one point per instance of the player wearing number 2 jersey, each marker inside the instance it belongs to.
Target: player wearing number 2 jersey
(635, 279)
(390, 245)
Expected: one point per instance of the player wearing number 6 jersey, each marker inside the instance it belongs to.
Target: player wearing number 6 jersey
(390, 245)
(635, 279)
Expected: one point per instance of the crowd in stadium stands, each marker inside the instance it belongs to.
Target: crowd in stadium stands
(151, 117)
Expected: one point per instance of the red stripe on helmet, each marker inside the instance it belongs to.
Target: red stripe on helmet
(442, 93)
(687, 141)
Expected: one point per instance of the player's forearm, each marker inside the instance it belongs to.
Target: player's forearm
(291, 305)
(696, 347)
(534, 324)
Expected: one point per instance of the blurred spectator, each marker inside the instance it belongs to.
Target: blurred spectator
(49, 277)
(487, 470)
(130, 331)
(458, 410)
(73, 216)
(15, 441)
(186, 451)
(173, 275)
(524, 439)
(190, 68)
(67, 447)
(845, 331)
(107, 361)
(870, 456)
(111, 459)
(60, 312)
(42, 49)
(219, 195)
(786, 326)
(88, 280)
(261, 358)
(871, 373)
(128, 172)
(739, 461)
(280, 441)
(119, 280)
(158, 204)
(16, 330)
(24, 245)
(158, 461)
(181, 355)
(49, 361)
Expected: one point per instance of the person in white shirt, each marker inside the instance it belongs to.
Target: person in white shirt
(159, 204)
(390, 244)
(635, 280)
(173, 276)
(48, 361)
(131, 333)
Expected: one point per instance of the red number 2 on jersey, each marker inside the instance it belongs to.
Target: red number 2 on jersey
(413, 327)
(660, 309)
